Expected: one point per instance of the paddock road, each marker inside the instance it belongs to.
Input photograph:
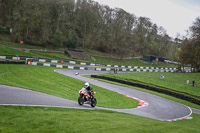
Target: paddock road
(157, 108)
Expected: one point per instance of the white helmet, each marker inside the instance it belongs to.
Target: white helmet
(86, 84)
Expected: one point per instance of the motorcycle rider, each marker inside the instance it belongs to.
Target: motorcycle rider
(86, 95)
(88, 88)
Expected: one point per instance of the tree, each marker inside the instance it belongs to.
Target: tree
(190, 52)
(71, 42)
(195, 29)
(99, 27)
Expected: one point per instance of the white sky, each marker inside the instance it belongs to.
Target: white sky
(176, 16)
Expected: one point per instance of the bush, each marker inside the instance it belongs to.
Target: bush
(58, 39)
(28, 41)
(72, 42)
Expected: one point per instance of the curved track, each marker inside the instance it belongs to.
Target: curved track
(157, 108)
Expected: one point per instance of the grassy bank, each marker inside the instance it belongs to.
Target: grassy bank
(4, 50)
(10, 51)
(18, 45)
(46, 55)
(173, 81)
(134, 62)
(44, 79)
(39, 119)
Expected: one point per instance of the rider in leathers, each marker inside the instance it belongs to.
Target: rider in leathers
(88, 88)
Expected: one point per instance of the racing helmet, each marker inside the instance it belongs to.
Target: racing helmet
(86, 84)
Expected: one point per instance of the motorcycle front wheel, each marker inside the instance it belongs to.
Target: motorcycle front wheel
(80, 100)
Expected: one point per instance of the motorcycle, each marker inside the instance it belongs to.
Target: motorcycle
(86, 97)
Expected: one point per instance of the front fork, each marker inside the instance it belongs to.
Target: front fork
(82, 96)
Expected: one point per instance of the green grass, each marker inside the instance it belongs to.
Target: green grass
(39, 119)
(10, 51)
(152, 92)
(104, 60)
(135, 62)
(95, 53)
(57, 56)
(44, 79)
(173, 81)
(18, 45)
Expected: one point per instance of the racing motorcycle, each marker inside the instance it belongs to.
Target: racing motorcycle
(85, 97)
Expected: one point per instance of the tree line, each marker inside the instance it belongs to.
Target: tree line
(85, 24)
(190, 52)
(89, 25)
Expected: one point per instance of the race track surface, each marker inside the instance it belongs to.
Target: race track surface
(157, 108)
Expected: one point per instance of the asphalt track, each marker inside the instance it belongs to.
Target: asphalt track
(157, 108)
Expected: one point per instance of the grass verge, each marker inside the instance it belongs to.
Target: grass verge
(172, 81)
(44, 79)
(55, 56)
(10, 51)
(39, 119)
(134, 62)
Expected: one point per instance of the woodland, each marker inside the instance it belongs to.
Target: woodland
(86, 24)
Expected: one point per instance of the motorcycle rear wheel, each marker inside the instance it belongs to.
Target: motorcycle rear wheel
(93, 102)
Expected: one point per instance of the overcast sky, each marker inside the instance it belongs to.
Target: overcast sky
(176, 16)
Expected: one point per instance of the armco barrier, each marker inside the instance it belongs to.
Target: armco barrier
(58, 66)
(134, 70)
(12, 62)
(167, 92)
(12, 58)
(120, 67)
